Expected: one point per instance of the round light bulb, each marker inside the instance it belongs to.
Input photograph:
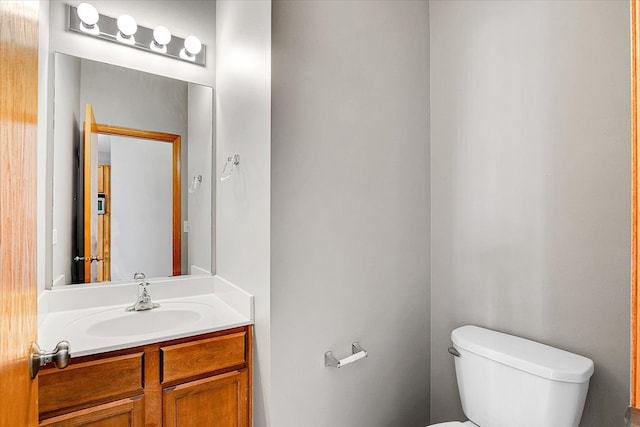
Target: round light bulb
(162, 35)
(88, 14)
(192, 45)
(127, 25)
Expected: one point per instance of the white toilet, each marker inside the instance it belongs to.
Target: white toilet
(507, 381)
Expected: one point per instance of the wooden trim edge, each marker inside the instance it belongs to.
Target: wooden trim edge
(635, 220)
(176, 142)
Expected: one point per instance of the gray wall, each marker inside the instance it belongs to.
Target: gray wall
(530, 185)
(350, 213)
(129, 98)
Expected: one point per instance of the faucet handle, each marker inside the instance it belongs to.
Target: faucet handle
(139, 276)
(143, 290)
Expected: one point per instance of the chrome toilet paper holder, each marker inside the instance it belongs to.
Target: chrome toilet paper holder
(357, 353)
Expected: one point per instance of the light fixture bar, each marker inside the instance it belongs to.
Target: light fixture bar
(108, 30)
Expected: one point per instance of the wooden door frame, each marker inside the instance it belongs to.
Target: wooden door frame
(175, 141)
(89, 130)
(635, 208)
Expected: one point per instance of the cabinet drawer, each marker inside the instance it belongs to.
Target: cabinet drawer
(200, 357)
(88, 383)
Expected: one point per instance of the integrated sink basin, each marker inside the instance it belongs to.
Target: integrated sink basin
(121, 323)
(142, 322)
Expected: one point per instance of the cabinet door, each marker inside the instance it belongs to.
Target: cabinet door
(220, 401)
(121, 413)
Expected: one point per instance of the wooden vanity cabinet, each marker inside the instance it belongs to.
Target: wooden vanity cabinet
(198, 381)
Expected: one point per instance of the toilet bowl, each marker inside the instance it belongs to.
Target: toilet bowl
(504, 381)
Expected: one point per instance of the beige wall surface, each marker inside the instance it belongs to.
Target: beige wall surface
(530, 160)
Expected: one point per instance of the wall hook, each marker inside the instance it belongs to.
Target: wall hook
(195, 183)
(234, 161)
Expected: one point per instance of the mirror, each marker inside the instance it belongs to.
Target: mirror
(132, 174)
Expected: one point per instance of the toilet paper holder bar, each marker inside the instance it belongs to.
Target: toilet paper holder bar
(357, 353)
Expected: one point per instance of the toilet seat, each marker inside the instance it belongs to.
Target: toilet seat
(454, 424)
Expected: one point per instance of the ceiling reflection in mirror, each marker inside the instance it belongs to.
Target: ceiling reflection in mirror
(126, 147)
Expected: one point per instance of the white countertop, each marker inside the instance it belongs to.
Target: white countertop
(93, 317)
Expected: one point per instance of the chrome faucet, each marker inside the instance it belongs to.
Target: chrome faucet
(144, 297)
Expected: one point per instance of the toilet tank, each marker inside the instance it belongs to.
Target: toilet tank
(507, 381)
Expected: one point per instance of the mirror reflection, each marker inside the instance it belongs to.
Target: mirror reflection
(126, 147)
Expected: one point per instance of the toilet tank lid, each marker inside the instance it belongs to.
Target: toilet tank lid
(523, 354)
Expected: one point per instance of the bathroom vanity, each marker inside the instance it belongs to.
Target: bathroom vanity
(188, 362)
(162, 384)
(125, 180)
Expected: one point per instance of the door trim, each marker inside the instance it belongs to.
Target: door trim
(175, 141)
(635, 208)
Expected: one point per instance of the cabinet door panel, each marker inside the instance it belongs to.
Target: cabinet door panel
(122, 413)
(220, 401)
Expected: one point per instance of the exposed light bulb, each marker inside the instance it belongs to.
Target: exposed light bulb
(192, 47)
(128, 27)
(89, 18)
(161, 38)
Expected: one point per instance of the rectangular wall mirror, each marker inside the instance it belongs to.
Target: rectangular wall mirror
(133, 164)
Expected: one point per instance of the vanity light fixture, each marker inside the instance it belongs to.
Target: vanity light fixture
(124, 30)
(88, 18)
(161, 38)
(127, 28)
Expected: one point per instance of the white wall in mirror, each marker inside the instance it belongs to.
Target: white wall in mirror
(201, 158)
(141, 205)
(68, 70)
